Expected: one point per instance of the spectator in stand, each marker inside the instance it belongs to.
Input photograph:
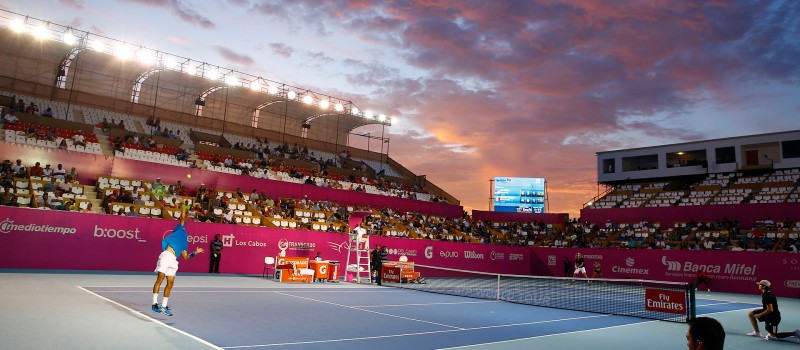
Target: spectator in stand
(132, 212)
(7, 196)
(50, 186)
(88, 208)
(32, 109)
(30, 132)
(105, 126)
(22, 173)
(59, 172)
(37, 170)
(21, 106)
(121, 124)
(48, 112)
(73, 174)
(79, 140)
(47, 171)
(182, 155)
(10, 118)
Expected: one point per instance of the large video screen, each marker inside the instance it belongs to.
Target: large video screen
(519, 194)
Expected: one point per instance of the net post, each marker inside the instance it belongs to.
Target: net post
(691, 310)
(497, 292)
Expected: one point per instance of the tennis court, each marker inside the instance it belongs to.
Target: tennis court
(91, 310)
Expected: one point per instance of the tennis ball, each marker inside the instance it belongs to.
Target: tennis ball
(188, 176)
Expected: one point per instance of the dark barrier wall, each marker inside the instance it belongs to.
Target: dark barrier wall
(551, 218)
(746, 214)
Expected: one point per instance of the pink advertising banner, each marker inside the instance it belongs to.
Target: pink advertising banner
(44, 239)
(734, 272)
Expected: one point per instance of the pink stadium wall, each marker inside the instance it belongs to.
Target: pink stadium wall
(39, 239)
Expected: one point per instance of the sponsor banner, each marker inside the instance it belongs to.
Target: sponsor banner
(47, 239)
(734, 272)
(668, 301)
(79, 241)
(465, 256)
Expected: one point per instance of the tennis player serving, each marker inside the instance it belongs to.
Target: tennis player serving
(168, 263)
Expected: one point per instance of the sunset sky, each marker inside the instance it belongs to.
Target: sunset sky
(496, 88)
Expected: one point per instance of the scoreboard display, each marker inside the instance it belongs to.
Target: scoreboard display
(519, 194)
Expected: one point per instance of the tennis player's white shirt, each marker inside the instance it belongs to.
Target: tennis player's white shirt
(167, 263)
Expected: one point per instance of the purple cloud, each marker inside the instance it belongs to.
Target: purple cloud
(234, 57)
(281, 49)
(182, 10)
(75, 4)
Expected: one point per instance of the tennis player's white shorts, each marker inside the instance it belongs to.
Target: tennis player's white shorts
(580, 270)
(167, 263)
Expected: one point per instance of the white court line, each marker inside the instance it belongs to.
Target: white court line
(413, 334)
(177, 290)
(547, 335)
(370, 311)
(424, 304)
(726, 303)
(139, 314)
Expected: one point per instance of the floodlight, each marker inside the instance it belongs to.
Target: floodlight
(18, 26)
(213, 74)
(255, 86)
(338, 107)
(123, 52)
(355, 111)
(368, 114)
(324, 104)
(170, 63)
(307, 99)
(393, 120)
(146, 57)
(69, 38)
(231, 80)
(291, 95)
(191, 70)
(381, 117)
(273, 90)
(98, 46)
(40, 32)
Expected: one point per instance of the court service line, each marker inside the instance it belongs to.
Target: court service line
(370, 311)
(411, 334)
(547, 335)
(427, 304)
(141, 315)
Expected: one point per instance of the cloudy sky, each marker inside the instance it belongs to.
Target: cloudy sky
(496, 88)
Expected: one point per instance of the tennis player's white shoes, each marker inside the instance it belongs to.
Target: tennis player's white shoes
(754, 334)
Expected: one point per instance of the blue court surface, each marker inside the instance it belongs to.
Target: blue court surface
(246, 312)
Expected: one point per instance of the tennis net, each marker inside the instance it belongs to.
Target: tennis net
(658, 300)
